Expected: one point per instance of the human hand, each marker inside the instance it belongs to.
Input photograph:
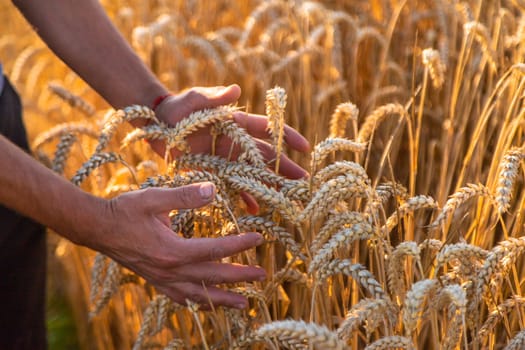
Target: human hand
(137, 235)
(177, 107)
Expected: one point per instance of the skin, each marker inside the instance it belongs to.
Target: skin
(133, 228)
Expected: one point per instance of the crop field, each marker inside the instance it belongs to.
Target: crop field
(408, 232)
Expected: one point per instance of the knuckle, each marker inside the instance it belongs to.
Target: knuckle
(195, 98)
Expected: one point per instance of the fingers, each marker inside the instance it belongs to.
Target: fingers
(257, 126)
(251, 204)
(210, 249)
(161, 200)
(179, 292)
(213, 273)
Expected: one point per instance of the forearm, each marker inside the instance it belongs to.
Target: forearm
(82, 35)
(36, 192)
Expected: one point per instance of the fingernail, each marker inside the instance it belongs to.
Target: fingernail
(240, 305)
(206, 191)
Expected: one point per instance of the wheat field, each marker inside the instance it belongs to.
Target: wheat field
(406, 235)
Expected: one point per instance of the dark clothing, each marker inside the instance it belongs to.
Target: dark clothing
(22, 254)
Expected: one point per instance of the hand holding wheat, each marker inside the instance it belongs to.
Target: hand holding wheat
(175, 108)
(137, 234)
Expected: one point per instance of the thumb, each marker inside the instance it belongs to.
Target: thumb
(161, 200)
(201, 98)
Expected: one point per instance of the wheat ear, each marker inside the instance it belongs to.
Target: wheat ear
(413, 304)
(238, 135)
(436, 68)
(371, 311)
(334, 223)
(275, 105)
(376, 117)
(508, 173)
(358, 272)
(516, 343)
(260, 224)
(344, 237)
(391, 342)
(461, 196)
(342, 114)
(497, 314)
(266, 195)
(62, 151)
(93, 163)
(291, 331)
(395, 267)
(340, 168)
(463, 252)
(110, 287)
(326, 147)
(63, 129)
(73, 100)
(331, 192)
(412, 204)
